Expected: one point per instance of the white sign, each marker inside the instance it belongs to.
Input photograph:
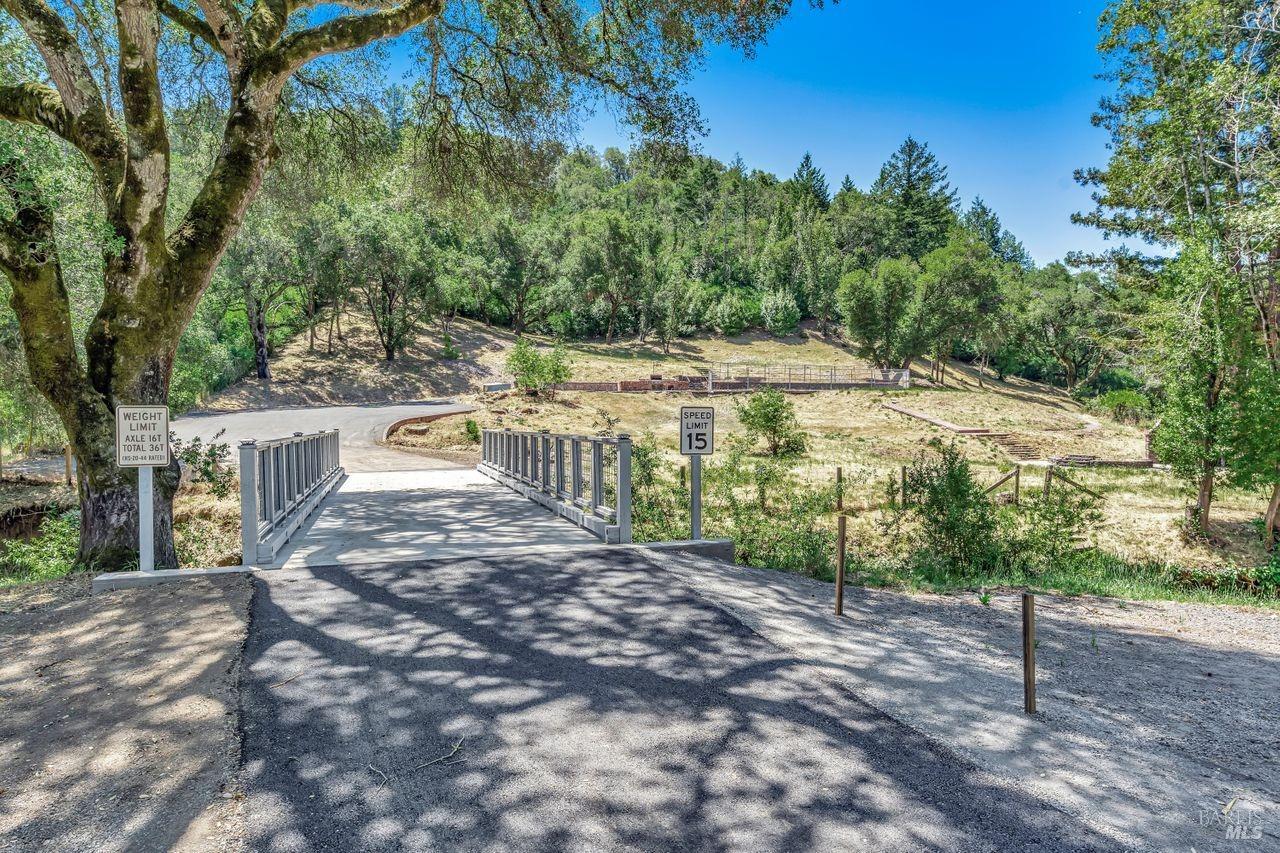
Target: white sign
(142, 436)
(697, 430)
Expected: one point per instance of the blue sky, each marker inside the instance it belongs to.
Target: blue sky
(1001, 91)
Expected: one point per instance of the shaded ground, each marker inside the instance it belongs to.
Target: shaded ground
(583, 702)
(118, 717)
(1153, 717)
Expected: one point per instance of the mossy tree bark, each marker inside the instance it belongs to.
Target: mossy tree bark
(152, 284)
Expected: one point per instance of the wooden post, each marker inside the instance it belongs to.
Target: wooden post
(840, 541)
(1029, 652)
(1017, 483)
(1048, 479)
(66, 464)
(903, 485)
(839, 487)
(683, 468)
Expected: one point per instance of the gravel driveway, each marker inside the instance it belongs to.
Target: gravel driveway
(587, 701)
(1157, 722)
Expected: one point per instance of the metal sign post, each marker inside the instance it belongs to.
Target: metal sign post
(697, 439)
(142, 442)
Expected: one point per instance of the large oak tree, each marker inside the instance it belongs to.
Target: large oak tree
(496, 76)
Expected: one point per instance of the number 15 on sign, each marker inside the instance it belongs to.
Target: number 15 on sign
(697, 439)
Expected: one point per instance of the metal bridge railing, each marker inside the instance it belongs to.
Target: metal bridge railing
(587, 479)
(281, 481)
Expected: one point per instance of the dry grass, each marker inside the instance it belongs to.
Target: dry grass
(355, 372)
(206, 528)
(851, 429)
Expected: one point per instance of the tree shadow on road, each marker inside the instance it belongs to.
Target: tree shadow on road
(594, 703)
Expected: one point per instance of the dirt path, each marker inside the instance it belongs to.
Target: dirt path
(118, 717)
(1157, 721)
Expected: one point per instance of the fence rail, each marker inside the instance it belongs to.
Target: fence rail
(591, 488)
(805, 375)
(281, 482)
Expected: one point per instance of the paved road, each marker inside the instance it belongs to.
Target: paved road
(588, 701)
(387, 516)
(361, 429)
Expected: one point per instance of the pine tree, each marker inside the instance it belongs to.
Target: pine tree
(913, 186)
(984, 222)
(809, 182)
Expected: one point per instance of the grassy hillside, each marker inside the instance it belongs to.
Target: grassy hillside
(854, 430)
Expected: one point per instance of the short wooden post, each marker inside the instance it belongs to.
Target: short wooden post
(1048, 479)
(839, 487)
(840, 543)
(1029, 652)
(66, 463)
(682, 477)
(1017, 483)
(903, 485)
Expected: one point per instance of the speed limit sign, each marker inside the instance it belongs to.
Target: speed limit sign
(697, 430)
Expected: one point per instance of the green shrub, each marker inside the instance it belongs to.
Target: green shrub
(473, 430)
(957, 531)
(1125, 405)
(47, 556)
(1047, 528)
(448, 351)
(767, 413)
(733, 315)
(206, 463)
(779, 313)
(534, 370)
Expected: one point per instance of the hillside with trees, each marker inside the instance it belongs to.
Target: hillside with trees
(457, 196)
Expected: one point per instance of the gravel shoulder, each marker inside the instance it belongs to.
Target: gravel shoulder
(118, 717)
(1157, 722)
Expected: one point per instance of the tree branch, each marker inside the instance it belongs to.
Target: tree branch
(146, 179)
(94, 135)
(350, 32)
(61, 52)
(198, 27)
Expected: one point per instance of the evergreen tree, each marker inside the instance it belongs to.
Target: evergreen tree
(921, 202)
(983, 222)
(808, 183)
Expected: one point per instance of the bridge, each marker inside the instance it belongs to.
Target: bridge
(320, 487)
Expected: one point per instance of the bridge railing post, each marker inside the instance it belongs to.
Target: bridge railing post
(623, 509)
(249, 511)
(575, 466)
(597, 474)
(559, 442)
(545, 442)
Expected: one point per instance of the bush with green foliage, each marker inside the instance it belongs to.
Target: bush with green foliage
(957, 531)
(206, 463)
(767, 413)
(48, 556)
(1047, 528)
(1124, 405)
(534, 370)
(779, 313)
(449, 352)
(734, 314)
(473, 430)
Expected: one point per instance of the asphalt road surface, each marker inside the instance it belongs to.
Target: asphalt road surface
(584, 701)
(361, 428)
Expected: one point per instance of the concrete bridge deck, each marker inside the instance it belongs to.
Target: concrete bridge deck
(395, 516)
